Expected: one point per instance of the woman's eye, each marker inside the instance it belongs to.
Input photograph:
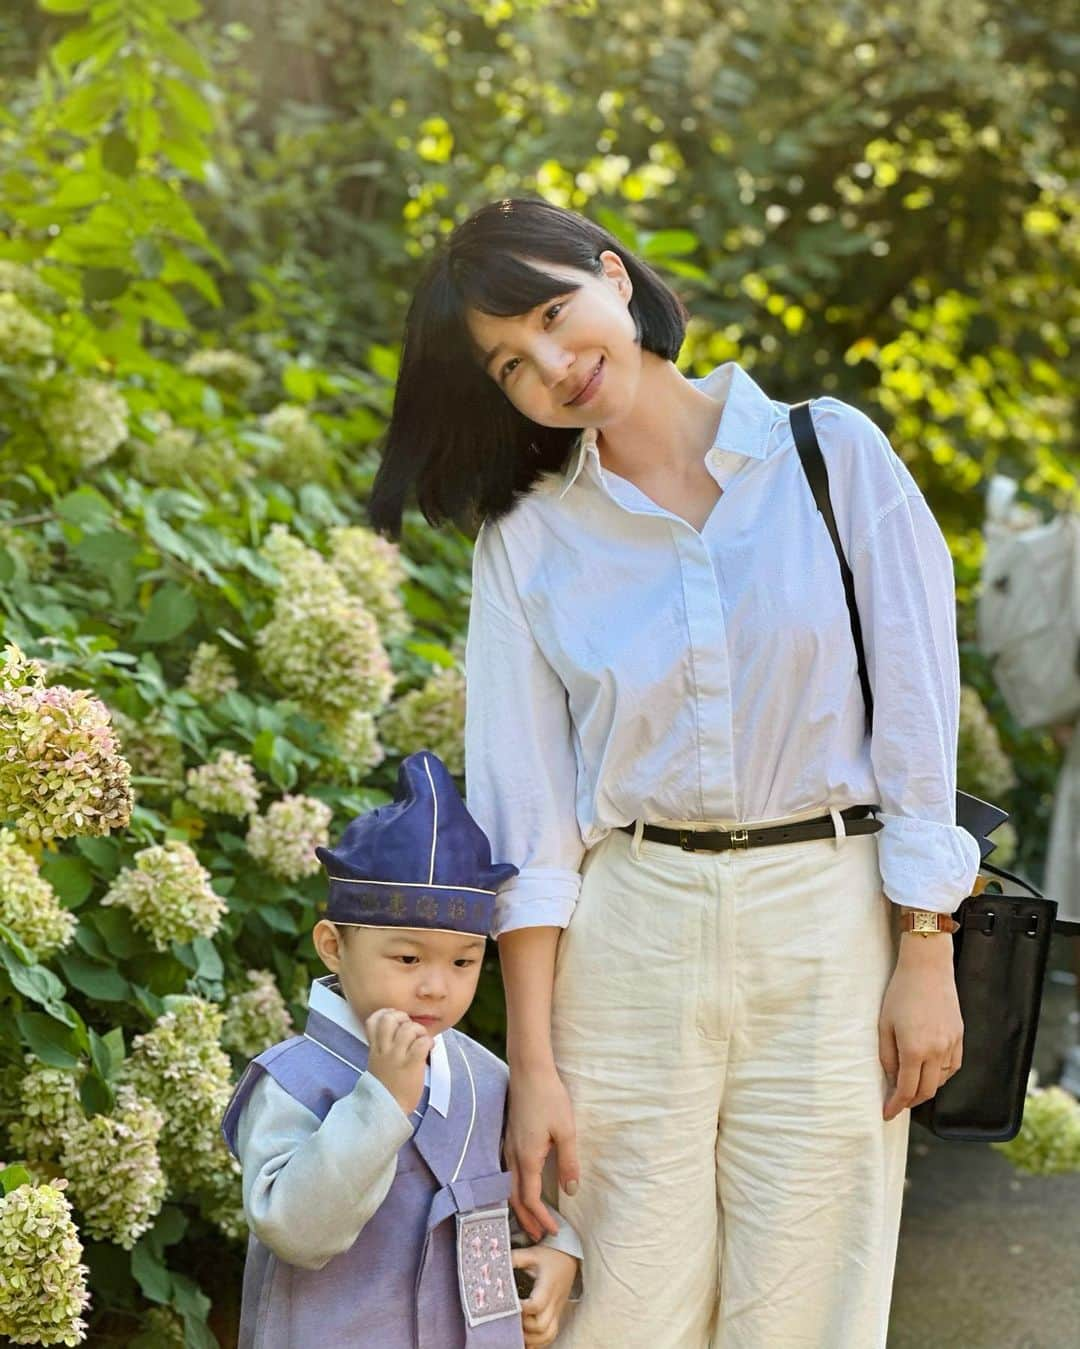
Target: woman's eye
(509, 368)
(553, 311)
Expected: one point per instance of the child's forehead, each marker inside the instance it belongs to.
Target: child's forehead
(427, 941)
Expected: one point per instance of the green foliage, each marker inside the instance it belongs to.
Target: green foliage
(211, 218)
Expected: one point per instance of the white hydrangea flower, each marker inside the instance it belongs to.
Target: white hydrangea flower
(355, 739)
(112, 1164)
(50, 1110)
(28, 903)
(153, 751)
(371, 569)
(283, 841)
(226, 785)
(230, 371)
(61, 772)
(43, 1289)
(299, 453)
(86, 421)
(211, 673)
(179, 1064)
(23, 336)
(18, 279)
(256, 1017)
(983, 767)
(1049, 1139)
(431, 717)
(321, 646)
(169, 895)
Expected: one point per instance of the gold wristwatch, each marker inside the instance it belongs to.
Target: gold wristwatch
(925, 923)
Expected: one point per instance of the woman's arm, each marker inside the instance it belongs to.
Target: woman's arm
(540, 1114)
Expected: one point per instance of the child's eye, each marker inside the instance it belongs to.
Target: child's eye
(408, 960)
(464, 963)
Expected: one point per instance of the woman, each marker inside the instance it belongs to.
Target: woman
(713, 1031)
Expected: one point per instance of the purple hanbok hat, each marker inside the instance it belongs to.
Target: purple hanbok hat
(420, 861)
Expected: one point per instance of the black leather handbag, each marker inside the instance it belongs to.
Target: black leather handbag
(1001, 947)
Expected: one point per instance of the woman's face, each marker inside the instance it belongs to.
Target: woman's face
(572, 361)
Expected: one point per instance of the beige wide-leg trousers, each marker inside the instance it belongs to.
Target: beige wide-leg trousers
(715, 1022)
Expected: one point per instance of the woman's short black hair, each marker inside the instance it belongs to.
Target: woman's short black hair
(454, 439)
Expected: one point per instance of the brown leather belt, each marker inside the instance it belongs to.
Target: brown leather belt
(857, 820)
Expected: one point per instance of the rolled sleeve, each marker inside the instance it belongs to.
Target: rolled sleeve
(906, 599)
(520, 765)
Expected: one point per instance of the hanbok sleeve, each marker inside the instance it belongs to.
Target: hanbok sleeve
(309, 1188)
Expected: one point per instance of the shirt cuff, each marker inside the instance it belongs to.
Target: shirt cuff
(926, 865)
(536, 897)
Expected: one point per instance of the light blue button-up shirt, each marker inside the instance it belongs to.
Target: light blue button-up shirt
(622, 665)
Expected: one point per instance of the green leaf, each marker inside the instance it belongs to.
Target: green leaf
(121, 938)
(210, 965)
(103, 982)
(95, 1093)
(118, 154)
(149, 257)
(11, 1177)
(669, 243)
(48, 1040)
(86, 507)
(300, 383)
(39, 985)
(70, 877)
(153, 1278)
(114, 1040)
(104, 283)
(65, 6)
(172, 611)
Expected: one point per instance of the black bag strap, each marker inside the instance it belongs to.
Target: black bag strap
(817, 474)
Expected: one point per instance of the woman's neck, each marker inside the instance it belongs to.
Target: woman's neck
(668, 428)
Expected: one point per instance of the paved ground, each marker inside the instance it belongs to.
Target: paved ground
(989, 1259)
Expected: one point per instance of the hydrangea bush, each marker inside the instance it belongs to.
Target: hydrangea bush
(43, 1291)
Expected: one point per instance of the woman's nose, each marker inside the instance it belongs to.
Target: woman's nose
(553, 362)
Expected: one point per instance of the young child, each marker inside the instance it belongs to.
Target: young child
(370, 1145)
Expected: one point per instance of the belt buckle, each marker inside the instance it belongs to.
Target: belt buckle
(739, 838)
(686, 840)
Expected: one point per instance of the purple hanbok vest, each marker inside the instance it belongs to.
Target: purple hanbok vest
(397, 1287)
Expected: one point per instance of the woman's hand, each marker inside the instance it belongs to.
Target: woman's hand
(920, 1030)
(540, 1116)
(553, 1273)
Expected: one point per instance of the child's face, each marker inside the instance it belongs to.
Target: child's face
(431, 976)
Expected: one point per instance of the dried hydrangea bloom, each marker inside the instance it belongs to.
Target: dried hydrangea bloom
(112, 1165)
(43, 1289)
(50, 1109)
(431, 717)
(61, 771)
(355, 739)
(982, 766)
(226, 785)
(321, 646)
(168, 894)
(23, 336)
(371, 569)
(28, 903)
(162, 1328)
(154, 752)
(283, 841)
(85, 420)
(298, 452)
(210, 674)
(256, 1017)
(179, 1064)
(230, 371)
(1049, 1139)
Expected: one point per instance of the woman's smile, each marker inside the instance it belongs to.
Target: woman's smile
(589, 388)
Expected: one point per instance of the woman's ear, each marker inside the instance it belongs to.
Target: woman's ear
(329, 943)
(615, 271)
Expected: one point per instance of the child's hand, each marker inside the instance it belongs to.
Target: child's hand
(554, 1272)
(397, 1051)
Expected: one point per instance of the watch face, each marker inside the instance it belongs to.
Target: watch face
(925, 922)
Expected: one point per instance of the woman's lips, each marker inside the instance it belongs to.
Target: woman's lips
(591, 386)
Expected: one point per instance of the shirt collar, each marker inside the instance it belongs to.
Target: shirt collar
(744, 428)
(327, 999)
